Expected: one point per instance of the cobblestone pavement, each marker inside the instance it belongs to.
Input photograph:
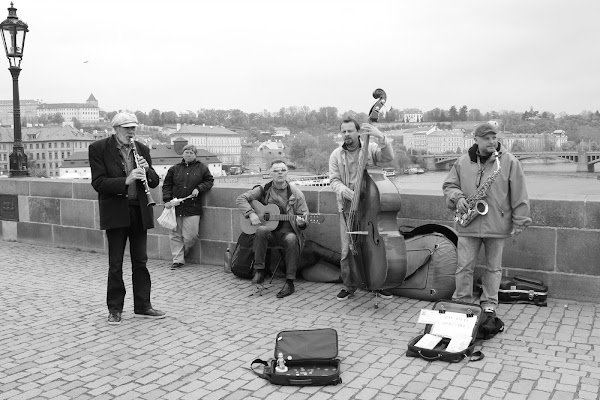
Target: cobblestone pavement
(55, 342)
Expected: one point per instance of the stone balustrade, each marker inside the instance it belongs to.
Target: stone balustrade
(562, 248)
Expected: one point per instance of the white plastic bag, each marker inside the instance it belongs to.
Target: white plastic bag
(167, 219)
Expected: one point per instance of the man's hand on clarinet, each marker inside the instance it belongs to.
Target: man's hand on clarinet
(135, 175)
(143, 163)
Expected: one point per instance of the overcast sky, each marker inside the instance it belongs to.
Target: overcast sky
(252, 55)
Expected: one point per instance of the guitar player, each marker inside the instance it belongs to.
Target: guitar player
(287, 234)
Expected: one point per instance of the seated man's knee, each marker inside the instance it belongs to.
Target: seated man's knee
(262, 232)
(291, 239)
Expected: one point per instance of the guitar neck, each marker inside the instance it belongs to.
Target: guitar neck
(281, 217)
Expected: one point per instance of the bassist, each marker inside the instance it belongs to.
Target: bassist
(288, 234)
(343, 171)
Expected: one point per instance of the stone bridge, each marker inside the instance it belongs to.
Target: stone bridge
(585, 160)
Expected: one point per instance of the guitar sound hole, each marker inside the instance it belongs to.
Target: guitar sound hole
(266, 217)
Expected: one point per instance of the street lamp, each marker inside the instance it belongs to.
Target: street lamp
(13, 36)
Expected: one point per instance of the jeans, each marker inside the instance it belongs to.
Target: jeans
(117, 239)
(183, 237)
(468, 251)
(263, 238)
(347, 263)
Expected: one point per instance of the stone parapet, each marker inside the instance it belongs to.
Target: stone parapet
(560, 248)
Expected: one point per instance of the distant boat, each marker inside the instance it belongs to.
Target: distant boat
(314, 180)
(414, 169)
(389, 171)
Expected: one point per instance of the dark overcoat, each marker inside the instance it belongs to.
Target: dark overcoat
(108, 179)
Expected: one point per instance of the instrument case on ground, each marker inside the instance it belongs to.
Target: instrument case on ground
(521, 290)
(310, 356)
(439, 351)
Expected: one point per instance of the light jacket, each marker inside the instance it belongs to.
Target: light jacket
(296, 205)
(507, 198)
(339, 170)
(180, 182)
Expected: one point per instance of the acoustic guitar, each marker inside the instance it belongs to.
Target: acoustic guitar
(270, 216)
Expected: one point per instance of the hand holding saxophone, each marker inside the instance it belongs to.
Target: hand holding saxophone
(462, 205)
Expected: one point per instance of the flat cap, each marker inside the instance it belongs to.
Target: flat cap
(125, 120)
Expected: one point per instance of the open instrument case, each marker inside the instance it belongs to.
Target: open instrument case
(310, 359)
(460, 316)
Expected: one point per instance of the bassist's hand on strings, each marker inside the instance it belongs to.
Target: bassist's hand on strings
(348, 194)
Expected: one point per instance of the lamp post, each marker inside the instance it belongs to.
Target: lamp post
(13, 36)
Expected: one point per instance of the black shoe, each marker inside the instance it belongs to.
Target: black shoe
(344, 294)
(150, 313)
(259, 277)
(287, 289)
(384, 293)
(114, 318)
(177, 266)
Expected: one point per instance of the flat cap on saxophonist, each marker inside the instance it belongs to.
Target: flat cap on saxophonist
(125, 120)
(484, 129)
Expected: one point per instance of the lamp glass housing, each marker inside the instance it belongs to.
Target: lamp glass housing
(13, 37)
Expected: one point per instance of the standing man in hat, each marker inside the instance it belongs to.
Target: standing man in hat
(186, 180)
(508, 211)
(124, 213)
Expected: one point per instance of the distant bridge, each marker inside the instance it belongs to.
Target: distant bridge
(585, 160)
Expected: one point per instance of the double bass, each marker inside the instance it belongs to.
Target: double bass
(378, 248)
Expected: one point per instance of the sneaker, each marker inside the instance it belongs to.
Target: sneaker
(114, 318)
(384, 293)
(177, 266)
(489, 309)
(150, 313)
(344, 294)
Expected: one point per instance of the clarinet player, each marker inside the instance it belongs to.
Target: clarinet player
(490, 166)
(122, 180)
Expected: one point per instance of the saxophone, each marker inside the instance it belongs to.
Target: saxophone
(478, 206)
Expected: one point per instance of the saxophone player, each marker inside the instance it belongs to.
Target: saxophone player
(490, 166)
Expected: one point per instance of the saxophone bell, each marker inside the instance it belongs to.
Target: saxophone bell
(481, 207)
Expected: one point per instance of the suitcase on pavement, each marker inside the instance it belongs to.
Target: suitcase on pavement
(457, 313)
(521, 290)
(310, 359)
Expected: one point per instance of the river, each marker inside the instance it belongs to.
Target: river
(542, 178)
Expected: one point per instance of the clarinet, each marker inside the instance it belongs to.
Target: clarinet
(151, 202)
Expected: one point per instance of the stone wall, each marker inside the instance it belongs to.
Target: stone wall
(561, 248)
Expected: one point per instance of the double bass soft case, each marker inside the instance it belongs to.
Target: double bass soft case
(438, 348)
(310, 358)
(431, 267)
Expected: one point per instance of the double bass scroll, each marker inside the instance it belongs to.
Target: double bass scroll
(377, 246)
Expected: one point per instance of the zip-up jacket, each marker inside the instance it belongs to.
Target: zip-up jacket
(180, 182)
(507, 198)
(339, 170)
